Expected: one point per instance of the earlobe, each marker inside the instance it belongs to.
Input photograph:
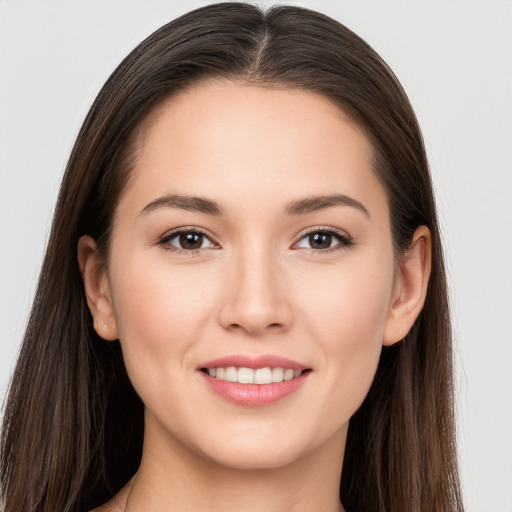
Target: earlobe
(410, 287)
(97, 290)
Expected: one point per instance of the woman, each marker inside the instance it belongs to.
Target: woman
(233, 308)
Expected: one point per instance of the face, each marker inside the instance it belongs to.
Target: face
(251, 243)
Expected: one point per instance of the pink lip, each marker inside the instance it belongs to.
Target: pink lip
(255, 395)
(254, 362)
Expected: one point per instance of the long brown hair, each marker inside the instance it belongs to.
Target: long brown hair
(73, 425)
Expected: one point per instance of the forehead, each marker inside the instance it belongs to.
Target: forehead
(264, 144)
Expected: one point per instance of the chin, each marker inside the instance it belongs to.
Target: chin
(267, 448)
(256, 457)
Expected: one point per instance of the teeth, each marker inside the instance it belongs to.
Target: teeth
(263, 376)
(288, 374)
(249, 376)
(246, 375)
(277, 374)
(231, 374)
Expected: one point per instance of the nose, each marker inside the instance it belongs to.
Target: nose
(255, 301)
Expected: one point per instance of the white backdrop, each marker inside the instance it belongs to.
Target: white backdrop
(454, 59)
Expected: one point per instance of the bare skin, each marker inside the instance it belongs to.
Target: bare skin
(270, 273)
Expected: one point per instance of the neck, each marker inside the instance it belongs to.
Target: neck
(179, 477)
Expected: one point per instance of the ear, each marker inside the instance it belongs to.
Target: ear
(410, 287)
(97, 289)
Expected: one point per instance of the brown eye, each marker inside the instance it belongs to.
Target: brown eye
(186, 241)
(320, 240)
(190, 240)
(324, 240)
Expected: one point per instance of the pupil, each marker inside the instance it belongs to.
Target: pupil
(191, 240)
(320, 241)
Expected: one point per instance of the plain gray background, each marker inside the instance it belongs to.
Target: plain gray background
(454, 59)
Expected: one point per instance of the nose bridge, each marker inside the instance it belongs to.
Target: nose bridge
(257, 299)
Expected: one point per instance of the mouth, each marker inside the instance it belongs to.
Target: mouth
(245, 375)
(254, 381)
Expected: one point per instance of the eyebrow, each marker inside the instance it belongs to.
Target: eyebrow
(300, 207)
(315, 203)
(190, 203)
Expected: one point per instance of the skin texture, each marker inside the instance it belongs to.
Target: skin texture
(256, 286)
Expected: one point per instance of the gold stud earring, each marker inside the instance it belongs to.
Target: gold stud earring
(95, 325)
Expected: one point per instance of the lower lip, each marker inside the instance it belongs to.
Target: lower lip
(254, 395)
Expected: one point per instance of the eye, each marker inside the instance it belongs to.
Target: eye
(186, 240)
(324, 240)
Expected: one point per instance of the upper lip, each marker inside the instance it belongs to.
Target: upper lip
(254, 362)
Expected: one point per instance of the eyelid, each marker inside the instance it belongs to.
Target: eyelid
(345, 240)
(169, 235)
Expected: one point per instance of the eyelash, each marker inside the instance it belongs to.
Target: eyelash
(164, 240)
(345, 240)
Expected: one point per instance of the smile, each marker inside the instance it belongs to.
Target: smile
(254, 380)
(245, 375)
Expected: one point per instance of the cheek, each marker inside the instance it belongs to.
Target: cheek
(350, 303)
(348, 321)
(159, 312)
